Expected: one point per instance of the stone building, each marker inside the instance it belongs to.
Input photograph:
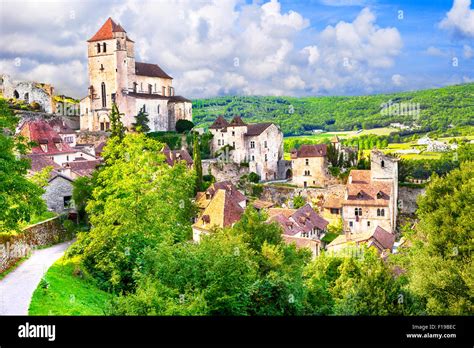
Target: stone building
(28, 91)
(371, 196)
(260, 145)
(58, 193)
(115, 77)
(379, 238)
(310, 165)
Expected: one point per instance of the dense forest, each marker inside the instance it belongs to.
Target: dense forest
(438, 109)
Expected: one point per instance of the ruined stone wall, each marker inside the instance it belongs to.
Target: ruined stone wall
(15, 247)
(95, 138)
(407, 197)
(224, 171)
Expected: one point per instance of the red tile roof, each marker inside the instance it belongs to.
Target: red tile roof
(173, 156)
(318, 150)
(38, 162)
(364, 191)
(303, 219)
(219, 123)
(82, 168)
(42, 133)
(237, 122)
(106, 31)
(257, 128)
(151, 70)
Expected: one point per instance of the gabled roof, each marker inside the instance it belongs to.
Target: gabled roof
(150, 70)
(106, 31)
(174, 156)
(379, 238)
(41, 132)
(38, 162)
(203, 198)
(237, 122)
(257, 128)
(84, 167)
(219, 123)
(303, 219)
(222, 211)
(361, 190)
(318, 150)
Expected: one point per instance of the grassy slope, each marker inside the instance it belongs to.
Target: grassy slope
(439, 108)
(67, 293)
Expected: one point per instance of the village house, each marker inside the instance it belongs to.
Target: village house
(175, 156)
(260, 145)
(371, 196)
(221, 205)
(310, 166)
(303, 226)
(379, 238)
(29, 92)
(115, 77)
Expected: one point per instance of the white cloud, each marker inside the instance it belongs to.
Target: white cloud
(435, 51)
(468, 51)
(398, 79)
(460, 18)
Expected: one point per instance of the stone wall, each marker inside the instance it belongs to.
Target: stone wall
(221, 170)
(407, 197)
(88, 137)
(71, 121)
(15, 247)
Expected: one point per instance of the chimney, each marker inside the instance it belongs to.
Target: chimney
(348, 234)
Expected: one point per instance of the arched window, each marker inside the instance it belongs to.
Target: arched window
(16, 94)
(358, 211)
(382, 164)
(158, 109)
(27, 97)
(105, 47)
(382, 212)
(104, 100)
(98, 47)
(378, 212)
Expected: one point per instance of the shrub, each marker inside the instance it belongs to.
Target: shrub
(184, 126)
(298, 202)
(254, 177)
(257, 190)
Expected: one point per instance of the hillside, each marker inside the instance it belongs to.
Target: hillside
(439, 108)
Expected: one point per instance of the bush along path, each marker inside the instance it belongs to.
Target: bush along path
(17, 288)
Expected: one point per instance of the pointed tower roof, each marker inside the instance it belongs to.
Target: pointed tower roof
(107, 30)
(237, 121)
(219, 123)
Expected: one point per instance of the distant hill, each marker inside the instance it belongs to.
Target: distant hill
(438, 109)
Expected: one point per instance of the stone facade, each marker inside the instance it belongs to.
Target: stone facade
(115, 76)
(15, 247)
(310, 166)
(259, 145)
(29, 91)
(58, 193)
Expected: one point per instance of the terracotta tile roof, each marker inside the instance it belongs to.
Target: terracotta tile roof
(284, 211)
(41, 132)
(379, 238)
(364, 191)
(82, 168)
(173, 156)
(237, 122)
(318, 150)
(151, 70)
(259, 204)
(303, 219)
(222, 211)
(301, 242)
(203, 198)
(60, 127)
(38, 162)
(333, 202)
(219, 123)
(106, 31)
(256, 128)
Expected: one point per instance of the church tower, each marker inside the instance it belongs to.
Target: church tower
(111, 61)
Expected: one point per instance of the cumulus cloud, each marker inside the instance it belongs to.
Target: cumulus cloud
(435, 51)
(468, 51)
(460, 19)
(210, 48)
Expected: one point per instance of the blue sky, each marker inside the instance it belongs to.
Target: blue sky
(237, 47)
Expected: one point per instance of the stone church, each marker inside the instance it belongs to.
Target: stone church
(115, 76)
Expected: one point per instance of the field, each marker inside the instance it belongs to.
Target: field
(67, 293)
(345, 134)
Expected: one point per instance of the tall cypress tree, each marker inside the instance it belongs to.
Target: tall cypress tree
(141, 122)
(197, 161)
(117, 128)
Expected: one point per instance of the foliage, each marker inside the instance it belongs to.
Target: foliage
(134, 206)
(197, 163)
(183, 126)
(439, 263)
(117, 129)
(69, 292)
(172, 139)
(82, 193)
(254, 177)
(141, 122)
(41, 178)
(20, 198)
(439, 108)
(298, 202)
(256, 190)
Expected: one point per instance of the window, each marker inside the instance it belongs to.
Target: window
(252, 144)
(102, 67)
(150, 89)
(382, 164)
(141, 86)
(368, 223)
(113, 97)
(163, 90)
(233, 133)
(305, 184)
(155, 87)
(253, 158)
(144, 108)
(102, 126)
(135, 87)
(233, 144)
(378, 212)
(104, 100)
(98, 47)
(382, 212)
(105, 47)
(67, 201)
(158, 109)
(358, 211)
(169, 91)
(351, 224)
(107, 125)
(307, 161)
(335, 211)
(266, 157)
(218, 142)
(379, 195)
(27, 97)
(67, 158)
(265, 144)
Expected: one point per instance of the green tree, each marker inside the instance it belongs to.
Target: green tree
(20, 198)
(141, 122)
(298, 202)
(184, 126)
(117, 129)
(197, 162)
(82, 193)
